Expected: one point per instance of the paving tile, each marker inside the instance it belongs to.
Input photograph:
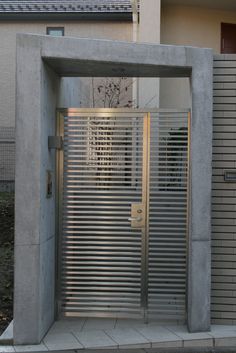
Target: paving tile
(223, 328)
(77, 324)
(123, 323)
(60, 341)
(31, 348)
(170, 344)
(4, 349)
(197, 339)
(224, 342)
(158, 334)
(67, 325)
(128, 337)
(134, 346)
(99, 324)
(105, 350)
(208, 342)
(221, 331)
(223, 334)
(59, 327)
(95, 339)
(130, 350)
(183, 333)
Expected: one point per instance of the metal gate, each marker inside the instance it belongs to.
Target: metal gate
(123, 191)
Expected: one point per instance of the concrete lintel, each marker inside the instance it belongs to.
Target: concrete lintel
(95, 57)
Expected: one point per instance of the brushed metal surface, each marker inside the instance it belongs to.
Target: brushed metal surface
(115, 261)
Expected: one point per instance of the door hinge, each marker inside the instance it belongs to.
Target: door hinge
(55, 142)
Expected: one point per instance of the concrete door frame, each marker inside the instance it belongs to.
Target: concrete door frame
(42, 62)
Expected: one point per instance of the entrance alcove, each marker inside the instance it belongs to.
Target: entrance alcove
(43, 63)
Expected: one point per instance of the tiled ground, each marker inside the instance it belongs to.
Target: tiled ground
(79, 334)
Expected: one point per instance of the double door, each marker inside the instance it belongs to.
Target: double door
(123, 185)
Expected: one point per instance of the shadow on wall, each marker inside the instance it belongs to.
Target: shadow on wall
(175, 93)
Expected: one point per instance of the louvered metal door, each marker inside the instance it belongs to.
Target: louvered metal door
(123, 213)
(168, 215)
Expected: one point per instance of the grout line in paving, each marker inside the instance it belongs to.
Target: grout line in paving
(176, 334)
(45, 345)
(78, 341)
(85, 320)
(112, 339)
(140, 333)
(196, 339)
(182, 339)
(171, 331)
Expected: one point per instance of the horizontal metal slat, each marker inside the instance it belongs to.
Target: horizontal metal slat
(90, 192)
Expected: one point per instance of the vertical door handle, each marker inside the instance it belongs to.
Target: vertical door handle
(135, 219)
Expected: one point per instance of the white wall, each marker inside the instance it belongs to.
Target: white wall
(149, 31)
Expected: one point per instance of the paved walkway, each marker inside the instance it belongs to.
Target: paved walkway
(112, 334)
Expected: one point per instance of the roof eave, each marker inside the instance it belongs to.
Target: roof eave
(56, 16)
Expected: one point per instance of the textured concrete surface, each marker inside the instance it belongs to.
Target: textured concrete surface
(37, 97)
(35, 213)
(199, 273)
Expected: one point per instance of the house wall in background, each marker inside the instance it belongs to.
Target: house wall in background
(89, 29)
(194, 26)
(149, 32)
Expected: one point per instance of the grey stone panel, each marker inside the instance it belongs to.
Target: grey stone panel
(201, 142)
(28, 142)
(26, 327)
(50, 88)
(199, 288)
(47, 285)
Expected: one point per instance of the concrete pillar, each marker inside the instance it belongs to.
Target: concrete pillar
(36, 87)
(199, 256)
(149, 32)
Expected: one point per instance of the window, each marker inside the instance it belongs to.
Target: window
(55, 31)
(228, 38)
